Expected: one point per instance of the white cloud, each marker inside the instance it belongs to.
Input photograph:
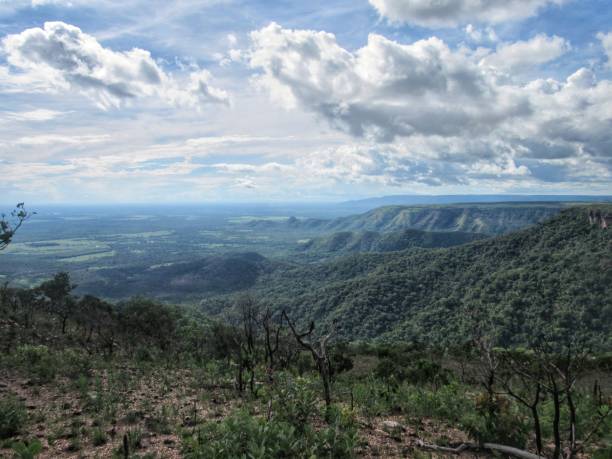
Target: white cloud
(527, 54)
(384, 89)
(606, 41)
(481, 35)
(55, 139)
(60, 57)
(450, 13)
(39, 114)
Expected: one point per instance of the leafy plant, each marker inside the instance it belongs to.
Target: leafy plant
(12, 416)
(294, 401)
(29, 450)
(38, 361)
(98, 437)
(242, 435)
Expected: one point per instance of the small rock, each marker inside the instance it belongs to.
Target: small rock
(169, 442)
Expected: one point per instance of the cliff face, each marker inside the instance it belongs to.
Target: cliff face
(600, 218)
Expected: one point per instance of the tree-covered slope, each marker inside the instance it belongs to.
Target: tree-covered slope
(486, 218)
(520, 279)
(373, 241)
(213, 274)
(481, 218)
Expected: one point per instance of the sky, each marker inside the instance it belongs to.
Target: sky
(157, 101)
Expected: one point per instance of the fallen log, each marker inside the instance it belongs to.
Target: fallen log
(510, 450)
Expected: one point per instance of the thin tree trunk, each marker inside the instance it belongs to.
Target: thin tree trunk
(572, 421)
(537, 428)
(556, 421)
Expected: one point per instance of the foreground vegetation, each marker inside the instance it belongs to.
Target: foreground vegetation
(143, 379)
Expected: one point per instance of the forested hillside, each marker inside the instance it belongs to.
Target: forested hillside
(519, 280)
(495, 218)
(373, 241)
(214, 274)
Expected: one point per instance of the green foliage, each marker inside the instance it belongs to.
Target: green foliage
(244, 435)
(98, 437)
(29, 450)
(450, 402)
(372, 241)
(497, 421)
(38, 361)
(11, 223)
(340, 359)
(340, 438)
(294, 400)
(12, 416)
(241, 435)
(74, 364)
(145, 321)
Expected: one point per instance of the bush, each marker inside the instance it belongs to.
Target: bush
(293, 401)
(37, 361)
(340, 439)
(241, 435)
(98, 437)
(373, 398)
(449, 403)
(74, 364)
(27, 450)
(506, 426)
(12, 416)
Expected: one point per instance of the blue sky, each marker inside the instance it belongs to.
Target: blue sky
(220, 100)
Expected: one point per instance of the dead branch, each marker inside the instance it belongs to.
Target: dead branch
(515, 452)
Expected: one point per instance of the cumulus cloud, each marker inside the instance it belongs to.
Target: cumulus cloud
(441, 114)
(450, 13)
(60, 57)
(384, 89)
(574, 114)
(527, 54)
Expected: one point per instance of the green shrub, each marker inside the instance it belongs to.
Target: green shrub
(28, 450)
(507, 425)
(449, 403)
(37, 361)
(373, 397)
(74, 364)
(98, 437)
(241, 435)
(340, 439)
(294, 401)
(12, 416)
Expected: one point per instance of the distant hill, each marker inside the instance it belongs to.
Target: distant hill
(426, 294)
(362, 205)
(373, 241)
(497, 218)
